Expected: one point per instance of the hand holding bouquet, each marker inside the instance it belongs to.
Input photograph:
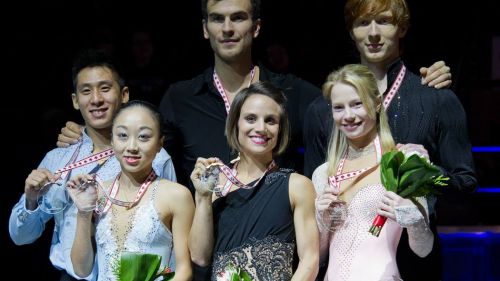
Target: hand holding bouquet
(409, 176)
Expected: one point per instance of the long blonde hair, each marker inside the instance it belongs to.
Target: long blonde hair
(363, 81)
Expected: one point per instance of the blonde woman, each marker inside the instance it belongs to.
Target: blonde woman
(350, 193)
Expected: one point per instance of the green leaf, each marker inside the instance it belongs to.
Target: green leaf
(415, 179)
(411, 176)
(410, 163)
(420, 174)
(424, 190)
(138, 266)
(236, 273)
(389, 169)
(245, 276)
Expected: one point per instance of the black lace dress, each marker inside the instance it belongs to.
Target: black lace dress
(254, 229)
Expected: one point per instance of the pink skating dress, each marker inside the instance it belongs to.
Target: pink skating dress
(354, 253)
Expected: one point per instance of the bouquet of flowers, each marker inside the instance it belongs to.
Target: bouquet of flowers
(141, 267)
(409, 176)
(233, 273)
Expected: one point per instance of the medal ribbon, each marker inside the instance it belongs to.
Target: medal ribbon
(85, 161)
(111, 197)
(232, 179)
(222, 91)
(395, 87)
(334, 181)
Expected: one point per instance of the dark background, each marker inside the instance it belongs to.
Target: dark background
(40, 39)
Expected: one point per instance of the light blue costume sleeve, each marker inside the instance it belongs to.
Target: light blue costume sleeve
(27, 226)
(163, 166)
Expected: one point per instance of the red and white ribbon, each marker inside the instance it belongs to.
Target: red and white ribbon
(111, 197)
(395, 87)
(334, 181)
(222, 91)
(64, 172)
(233, 180)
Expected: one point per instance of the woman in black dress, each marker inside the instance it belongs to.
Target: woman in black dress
(255, 220)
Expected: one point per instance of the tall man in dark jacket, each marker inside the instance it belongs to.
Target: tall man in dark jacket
(418, 115)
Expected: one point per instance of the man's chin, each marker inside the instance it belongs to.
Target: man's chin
(375, 57)
(98, 124)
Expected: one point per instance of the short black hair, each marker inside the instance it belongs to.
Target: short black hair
(94, 58)
(255, 9)
(153, 109)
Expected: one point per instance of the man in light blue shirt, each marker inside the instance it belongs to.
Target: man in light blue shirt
(99, 93)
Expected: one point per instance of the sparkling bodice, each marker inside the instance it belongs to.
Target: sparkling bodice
(354, 253)
(145, 233)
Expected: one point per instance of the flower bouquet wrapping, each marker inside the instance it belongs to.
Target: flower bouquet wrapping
(233, 273)
(409, 176)
(141, 267)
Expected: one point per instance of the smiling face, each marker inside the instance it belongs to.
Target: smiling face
(350, 116)
(136, 139)
(98, 96)
(230, 28)
(259, 125)
(377, 38)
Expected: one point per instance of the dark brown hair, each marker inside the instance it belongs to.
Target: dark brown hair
(255, 9)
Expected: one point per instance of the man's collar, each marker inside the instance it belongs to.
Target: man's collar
(393, 70)
(85, 136)
(208, 82)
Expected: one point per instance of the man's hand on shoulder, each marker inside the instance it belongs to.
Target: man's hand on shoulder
(437, 75)
(69, 135)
